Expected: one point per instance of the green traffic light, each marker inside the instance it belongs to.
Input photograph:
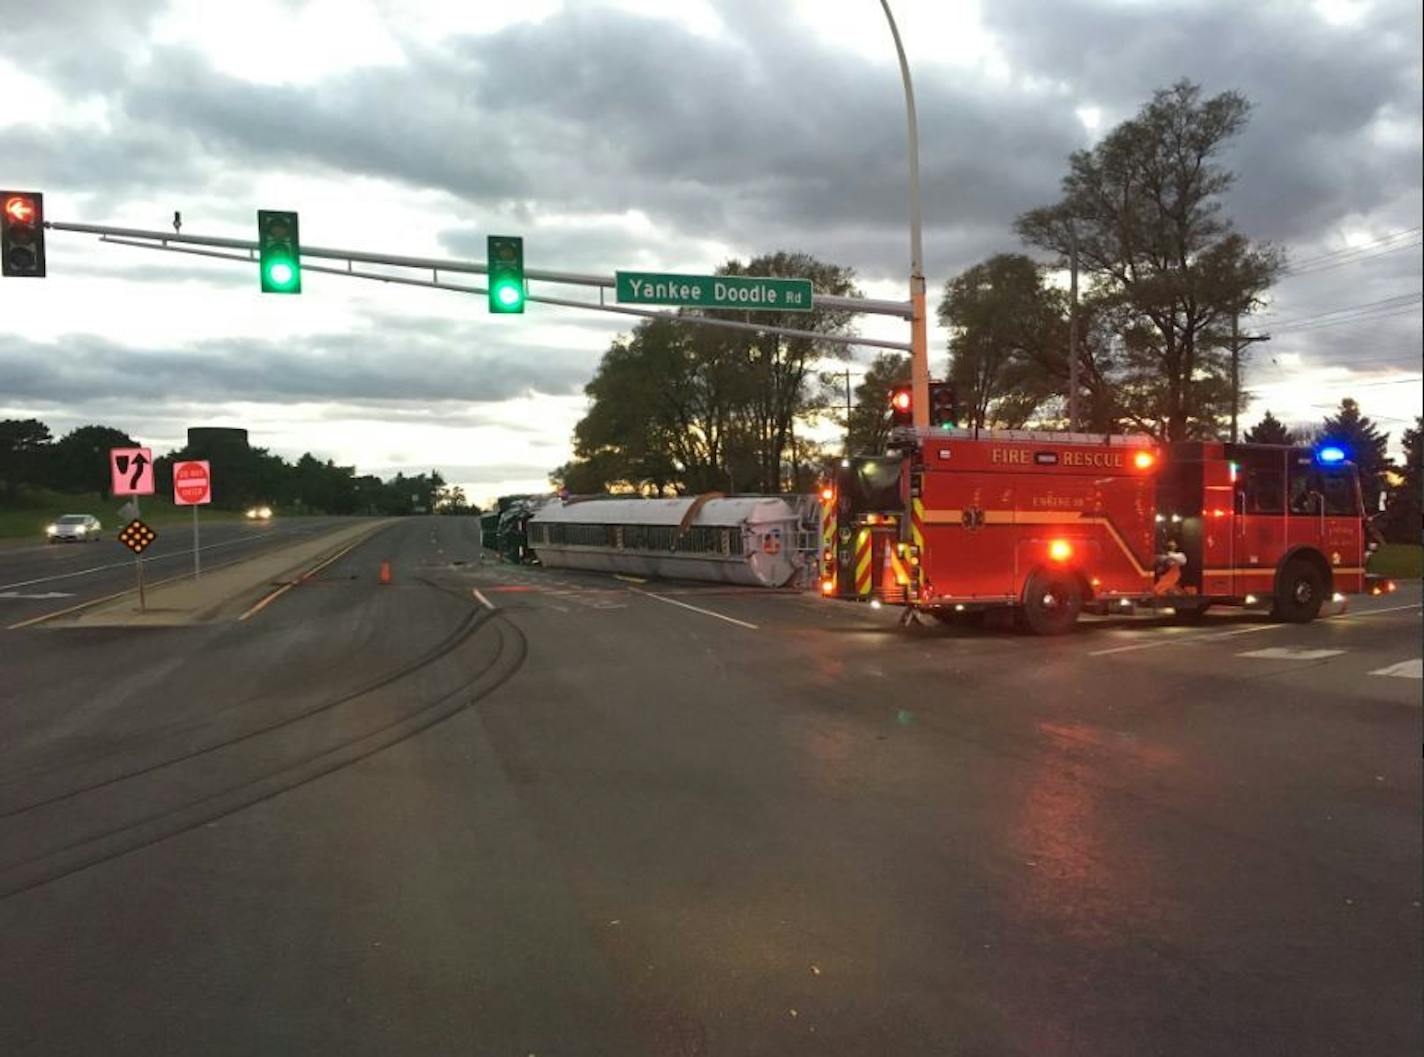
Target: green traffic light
(280, 273)
(279, 252)
(508, 294)
(506, 273)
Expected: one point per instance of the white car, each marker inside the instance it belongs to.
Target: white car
(75, 528)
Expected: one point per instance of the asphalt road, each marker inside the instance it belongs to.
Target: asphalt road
(572, 815)
(38, 578)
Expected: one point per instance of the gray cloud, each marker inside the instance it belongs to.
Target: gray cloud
(379, 369)
(761, 139)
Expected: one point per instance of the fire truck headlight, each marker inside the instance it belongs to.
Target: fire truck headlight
(875, 603)
(827, 586)
(827, 494)
(1060, 550)
(1337, 597)
(1250, 600)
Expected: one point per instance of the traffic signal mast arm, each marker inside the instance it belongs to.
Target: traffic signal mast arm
(176, 243)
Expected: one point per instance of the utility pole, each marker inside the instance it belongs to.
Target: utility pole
(1238, 342)
(1072, 328)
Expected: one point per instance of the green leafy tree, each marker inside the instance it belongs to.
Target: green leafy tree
(1004, 323)
(1269, 430)
(1403, 521)
(80, 459)
(674, 407)
(870, 414)
(24, 446)
(1365, 445)
(1166, 268)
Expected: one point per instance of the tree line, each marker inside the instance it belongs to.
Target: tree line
(32, 459)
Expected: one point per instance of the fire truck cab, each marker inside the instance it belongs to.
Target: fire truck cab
(1052, 524)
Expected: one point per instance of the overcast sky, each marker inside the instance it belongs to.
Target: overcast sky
(662, 135)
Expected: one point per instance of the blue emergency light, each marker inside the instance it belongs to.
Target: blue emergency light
(1331, 453)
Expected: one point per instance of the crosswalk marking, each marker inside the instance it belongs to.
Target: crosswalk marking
(1404, 669)
(1290, 653)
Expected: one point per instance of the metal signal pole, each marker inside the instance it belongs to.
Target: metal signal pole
(919, 333)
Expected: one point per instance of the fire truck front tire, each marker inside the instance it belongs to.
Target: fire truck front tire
(1300, 589)
(1051, 602)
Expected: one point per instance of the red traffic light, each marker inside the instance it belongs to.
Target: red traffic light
(900, 400)
(20, 210)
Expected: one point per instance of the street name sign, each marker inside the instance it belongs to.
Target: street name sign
(130, 471)
(755, 293)
(192, 483)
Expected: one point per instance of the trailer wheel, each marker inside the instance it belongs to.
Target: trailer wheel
(1299, 592)
(1051, 602)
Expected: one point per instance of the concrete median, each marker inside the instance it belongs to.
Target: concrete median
(225, 592)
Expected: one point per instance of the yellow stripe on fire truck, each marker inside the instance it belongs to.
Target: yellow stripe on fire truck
(862, 562)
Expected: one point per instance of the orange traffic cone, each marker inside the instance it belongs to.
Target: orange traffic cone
(385, 572)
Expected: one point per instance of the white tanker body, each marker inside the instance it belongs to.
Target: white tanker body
(758, 541)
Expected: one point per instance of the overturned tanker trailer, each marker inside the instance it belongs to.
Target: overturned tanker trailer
(759, 541)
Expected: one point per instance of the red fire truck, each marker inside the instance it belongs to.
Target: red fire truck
(1049, 525)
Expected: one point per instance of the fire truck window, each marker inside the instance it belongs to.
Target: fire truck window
(1339, 488)
(1304, 494)
(1265, 491)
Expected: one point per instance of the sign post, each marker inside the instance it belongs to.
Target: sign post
(747, 293)
(193, 486)
(131, 474)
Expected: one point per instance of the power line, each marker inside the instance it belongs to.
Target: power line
(1293, 273)
(1337, 383)
(1351, 313)
(1413, 233)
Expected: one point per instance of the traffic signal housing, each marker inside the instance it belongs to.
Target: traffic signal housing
(944, 405)
(22, 249)
(506, 274)
(902, 399)
(279, 252)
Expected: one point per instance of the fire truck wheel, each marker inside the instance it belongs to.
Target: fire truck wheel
(1299, 592)
(1051, 602)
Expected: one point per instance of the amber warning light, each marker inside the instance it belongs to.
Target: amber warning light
(1144, 460)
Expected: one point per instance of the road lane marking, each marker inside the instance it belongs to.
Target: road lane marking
(695, 609)
(1291, 653)
(47, 594)
(481, 598)
(629, 579)
(1403, 670)
(303, 578)
(187, 553)
(1373, 612)
(1180, 639)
